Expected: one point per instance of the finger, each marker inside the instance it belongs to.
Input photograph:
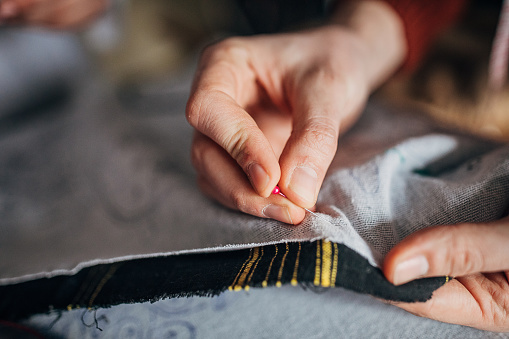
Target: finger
(455, 250)
(214, 108)
(322, 103)
(222, 179)
(9, 10)
(477, 300)
(62, 14)
(451, 303)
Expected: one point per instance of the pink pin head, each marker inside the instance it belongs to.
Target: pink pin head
(276, 190)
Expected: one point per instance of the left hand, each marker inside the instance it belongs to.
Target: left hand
(476, 254)
(57, 14)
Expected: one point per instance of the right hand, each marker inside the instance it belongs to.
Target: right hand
(267, 111)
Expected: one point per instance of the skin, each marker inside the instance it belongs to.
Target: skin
(478, 256)
(265, 106)
(55, 14)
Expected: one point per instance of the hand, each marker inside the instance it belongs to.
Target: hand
(268, 109)
(58, 14)
(476, 254)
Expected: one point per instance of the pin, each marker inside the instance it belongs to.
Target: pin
(277, 190)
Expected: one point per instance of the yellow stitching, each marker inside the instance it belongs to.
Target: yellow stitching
(318, 263)
(326, 263)
(334, 272)
(446, 279)
(242, 278)
(264, 282)
(254, 269)
(241, 269)
(295, 269)
(86, 285)
(101, 284)
(280, 273)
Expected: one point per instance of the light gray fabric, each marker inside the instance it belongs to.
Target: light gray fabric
(287, 312)
(35, 64)
(103, 182)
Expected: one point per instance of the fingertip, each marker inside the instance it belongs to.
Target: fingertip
(303, 186)
(262, 182)
(289, 214)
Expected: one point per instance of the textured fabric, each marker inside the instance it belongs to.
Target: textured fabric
(107, 183)
(319, 264)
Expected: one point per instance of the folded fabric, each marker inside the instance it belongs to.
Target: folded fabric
(104, 195)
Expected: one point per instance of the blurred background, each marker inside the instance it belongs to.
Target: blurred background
(139, 46)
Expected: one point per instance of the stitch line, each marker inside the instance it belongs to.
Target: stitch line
(247, 269)
(264, 282)
(326, 263)
(254, 269)
(334, 272)
(296, 267)
(241, 269)
(103, 281)
(316, 281)
(280, 273)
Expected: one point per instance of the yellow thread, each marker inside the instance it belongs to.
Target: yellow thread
(334, 272)
(326, 263)
(231, 287)
(318, 263)
(87, 285)
(101, 284)
(296, 267)
(446, 279)
(264, 282)
(280, 273)
(254, 269)
(247, 269)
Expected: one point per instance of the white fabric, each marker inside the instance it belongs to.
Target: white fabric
(102, 183)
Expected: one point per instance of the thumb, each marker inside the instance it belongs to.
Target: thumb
(454, 250)
(320, 104)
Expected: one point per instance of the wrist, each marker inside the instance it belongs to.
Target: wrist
(380, 31)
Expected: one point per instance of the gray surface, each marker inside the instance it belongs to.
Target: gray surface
(287, 312)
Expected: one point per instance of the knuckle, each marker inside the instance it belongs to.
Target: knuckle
(321, 135)
(227, 47)
(193, 109)
(463, 257)
(239, 201)
(236, 144)
(495, 309)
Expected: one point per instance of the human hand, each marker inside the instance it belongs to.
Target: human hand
(270, 107)
(476, 254)
(58, 14)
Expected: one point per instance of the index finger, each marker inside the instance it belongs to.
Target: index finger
(223, 83)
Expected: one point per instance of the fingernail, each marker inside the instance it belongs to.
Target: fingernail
(277, 212)
(258, 177)
(303, 183)
(410, 269)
